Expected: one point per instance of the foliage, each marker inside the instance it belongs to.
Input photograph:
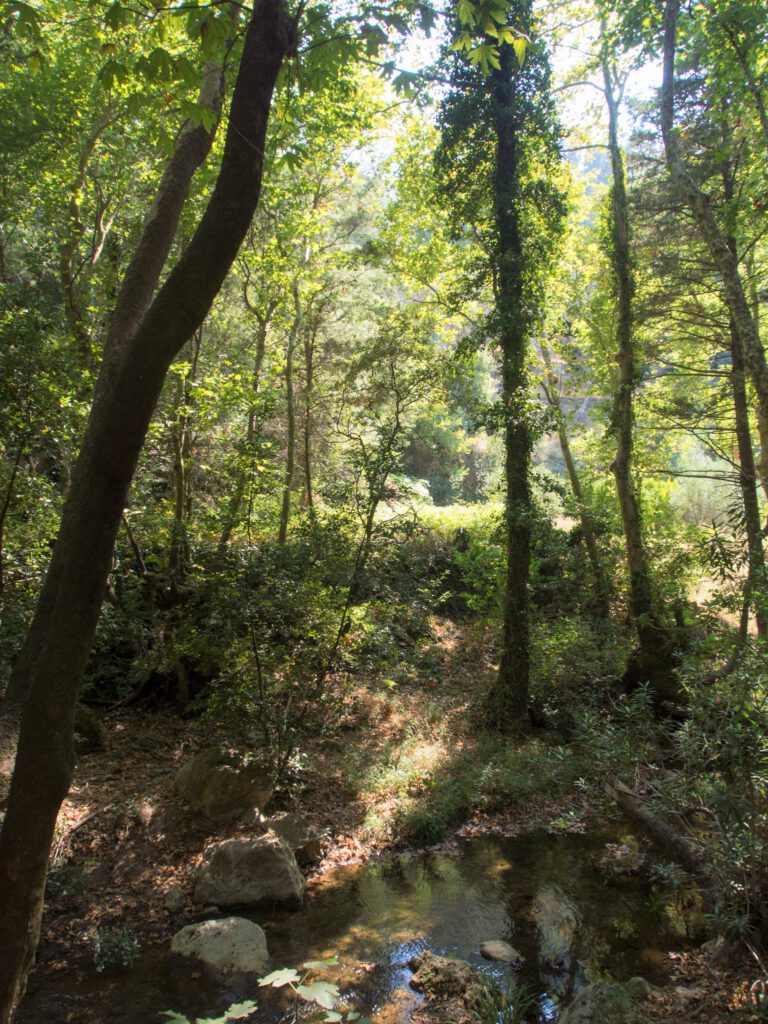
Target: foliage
(116, 946)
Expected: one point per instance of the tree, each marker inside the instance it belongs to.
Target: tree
(653, 662)
(142, 343)
(499, 153)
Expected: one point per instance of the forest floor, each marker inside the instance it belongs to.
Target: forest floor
(124, 839)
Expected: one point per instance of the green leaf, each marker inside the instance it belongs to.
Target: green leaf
(405, 81)
(238, 1011)
(316, 965)
(286, 976)
(520, 45)
(466, 13)
(112, 73)
(175, 1018)
(486, 55)
(333, 1017)
(322, 992)
(117, 16)
(464, 42)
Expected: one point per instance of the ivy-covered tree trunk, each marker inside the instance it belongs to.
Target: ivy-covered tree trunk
(508, 699)
(125, 398)
(653, 661)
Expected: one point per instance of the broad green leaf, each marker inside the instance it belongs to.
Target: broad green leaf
(117, 15)
(520, 44)
(332, 1017)
(466, 13)
(238, 1011)
(464, 42)
(321, 992)
(174, 1018)
(286, 976)
(112, 73)
(486, 55)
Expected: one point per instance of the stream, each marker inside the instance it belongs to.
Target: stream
(375, 917)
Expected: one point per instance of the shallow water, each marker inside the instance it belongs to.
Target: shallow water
(375, 917)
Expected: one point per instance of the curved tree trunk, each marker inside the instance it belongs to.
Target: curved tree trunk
(125, 398)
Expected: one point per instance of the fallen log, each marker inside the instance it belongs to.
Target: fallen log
(681, 849)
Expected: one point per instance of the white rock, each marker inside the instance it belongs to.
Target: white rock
(229, 945)
(495, 949)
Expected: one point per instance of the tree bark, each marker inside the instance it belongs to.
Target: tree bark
(755, 586)
(290, 414)
(310, 336)
(238, 494)
(181, 441)
(508, 698)
(669, 840)
(652, 662)
(125, 398)
(698, 202)
(587, 526)
(748, 485)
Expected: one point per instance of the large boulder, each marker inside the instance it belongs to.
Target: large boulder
(601, 1003)
(222, 784)
(250, 872)
(305, 841)
(228, 946)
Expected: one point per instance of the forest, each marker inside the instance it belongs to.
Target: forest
(383, 511)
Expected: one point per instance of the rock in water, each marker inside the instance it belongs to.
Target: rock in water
(227, 946)
(306, 842)
(456, 991)
(495, 949)
(222, 784)
(601, 1003)
(557, 921)
(250, 872)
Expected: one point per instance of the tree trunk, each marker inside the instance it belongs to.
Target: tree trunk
(125, 398)
(68, 277)
(181, 440)
(652, 662)
(698, 201)
(508, 698)
(585, 517)
(309, 379)
(755, 586)
(238, 494)
(671, 842)
(748, 485)
(290, 413)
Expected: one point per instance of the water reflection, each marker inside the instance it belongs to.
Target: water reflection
(381, 915)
